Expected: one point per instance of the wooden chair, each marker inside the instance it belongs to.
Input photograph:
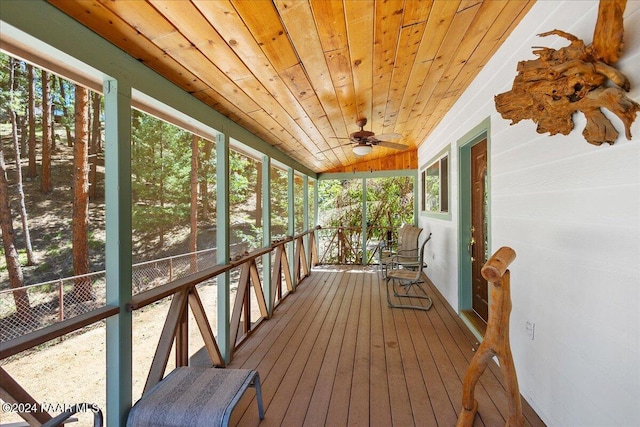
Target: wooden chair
(407, 273)
(408, 236)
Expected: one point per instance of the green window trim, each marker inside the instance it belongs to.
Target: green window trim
(435, 178)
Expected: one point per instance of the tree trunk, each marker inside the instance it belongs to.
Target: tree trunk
(23, 125)
(23, 208)
(161, 193)
(259, 197)
(65, 113)
(32, 172)
(193, 242)
(45, 180)
(52, 89)
(20, 297)
(82, 288)
(95, 141)
(204, 184)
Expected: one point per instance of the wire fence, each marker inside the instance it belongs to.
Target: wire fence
(29, 308)
(33, 307)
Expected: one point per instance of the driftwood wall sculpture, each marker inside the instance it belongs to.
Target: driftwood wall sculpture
(548, 90)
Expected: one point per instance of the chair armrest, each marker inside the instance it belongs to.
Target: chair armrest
(405, 260)
(409, 252)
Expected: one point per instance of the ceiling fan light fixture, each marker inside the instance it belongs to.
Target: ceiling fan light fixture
(361, 149)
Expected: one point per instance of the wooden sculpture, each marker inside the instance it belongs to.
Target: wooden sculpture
(495, 343)
(548, 90)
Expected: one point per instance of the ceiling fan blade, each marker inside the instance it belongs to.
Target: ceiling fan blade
(393, 145)
(334, 148)
(388, 136)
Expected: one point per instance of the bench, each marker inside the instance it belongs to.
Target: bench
(195, 396)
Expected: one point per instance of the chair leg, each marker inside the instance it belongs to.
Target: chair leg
(413, 307)
(256, 385)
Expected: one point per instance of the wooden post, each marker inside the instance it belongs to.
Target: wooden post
(495, 343)
(61, 298)
(182, 340)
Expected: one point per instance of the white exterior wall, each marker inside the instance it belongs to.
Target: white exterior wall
(571, 211)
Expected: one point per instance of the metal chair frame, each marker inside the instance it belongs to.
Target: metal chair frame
(409, 276)
(408, 236)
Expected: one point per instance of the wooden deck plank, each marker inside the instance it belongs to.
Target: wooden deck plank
(450, 382)
(277, 361)
(313, 371)
(262, 352)
(443, 408)
(380, 411)
(490, 414)
(334, 353)
(295, 304)
(399, 399)
(360, 392)
(339, 404)
(418, 398)
(321, 394)
(295, 362)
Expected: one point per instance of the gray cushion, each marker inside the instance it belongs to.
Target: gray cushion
(190, 397)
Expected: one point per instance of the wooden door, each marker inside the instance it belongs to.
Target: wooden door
(478, 243)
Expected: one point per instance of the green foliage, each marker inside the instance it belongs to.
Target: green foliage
(160, 165)
(243, 177)
(389, 202)
(298, 203)
(18, 102)
(340, 203)
(21, 90)
(279, 202)
(251, 238)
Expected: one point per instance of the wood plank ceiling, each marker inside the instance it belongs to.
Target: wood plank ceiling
(300, 73)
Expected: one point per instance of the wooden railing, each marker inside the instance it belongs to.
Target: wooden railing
(185, 295)
(343, 245)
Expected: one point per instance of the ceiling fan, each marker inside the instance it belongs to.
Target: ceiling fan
(364, 140)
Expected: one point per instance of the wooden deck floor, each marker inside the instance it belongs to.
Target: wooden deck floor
(334, 354)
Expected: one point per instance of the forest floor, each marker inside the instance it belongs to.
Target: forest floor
(50, 219)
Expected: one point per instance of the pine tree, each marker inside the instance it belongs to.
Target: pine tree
(82, 287)
(45, 180)
(20, 296)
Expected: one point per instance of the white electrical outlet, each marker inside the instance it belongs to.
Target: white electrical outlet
(530, 328)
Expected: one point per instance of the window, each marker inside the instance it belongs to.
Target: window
(435, 185)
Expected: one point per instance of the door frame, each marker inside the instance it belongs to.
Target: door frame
(464, 144)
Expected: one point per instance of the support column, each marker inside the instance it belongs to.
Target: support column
(315, 208)
(117, 100)
(416, 188)
(222, 243)
(291, 226)
(364, 221)
(266, 229)
(305, 216)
